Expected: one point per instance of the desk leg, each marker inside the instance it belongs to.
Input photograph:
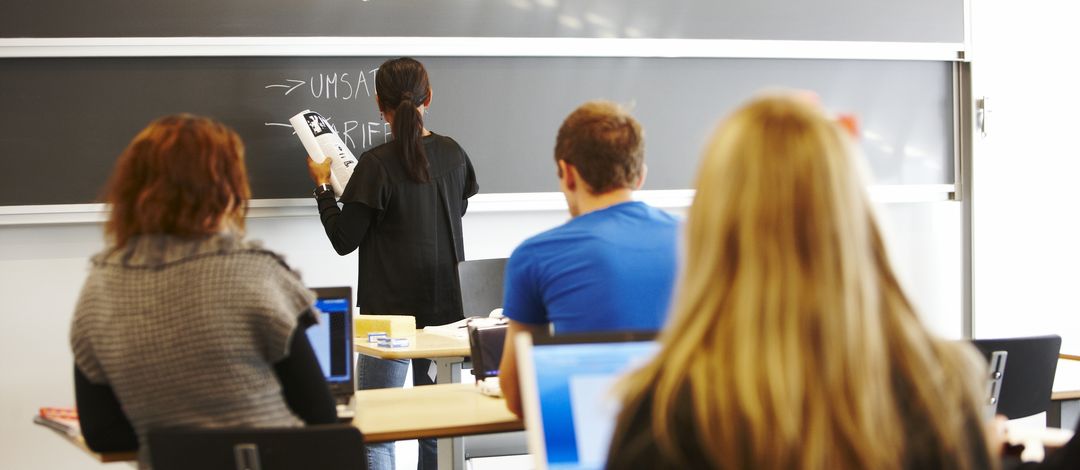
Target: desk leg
(448, 370)
(1053, 415)
(451, 450)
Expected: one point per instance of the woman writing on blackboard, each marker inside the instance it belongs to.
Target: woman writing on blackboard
(402, 209)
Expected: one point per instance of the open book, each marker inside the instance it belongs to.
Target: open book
(458, 329)
(321, 142)
(455, 329)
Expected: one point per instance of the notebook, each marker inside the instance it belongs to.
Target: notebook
(567, 393)
(332, 341)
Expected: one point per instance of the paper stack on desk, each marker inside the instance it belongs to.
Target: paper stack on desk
(455, 330)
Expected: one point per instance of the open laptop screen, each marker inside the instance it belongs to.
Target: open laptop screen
(570, 385)
(332, 340)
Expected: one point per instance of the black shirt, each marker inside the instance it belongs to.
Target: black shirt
(1067, 457)
(633, 445)
(408, 233)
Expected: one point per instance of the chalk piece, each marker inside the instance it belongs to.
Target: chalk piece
(393, 342)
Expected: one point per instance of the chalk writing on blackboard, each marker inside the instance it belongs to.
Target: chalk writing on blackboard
(334, 85)
(359, 133)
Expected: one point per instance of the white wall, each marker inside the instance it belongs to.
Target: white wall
(42, 269)
(1027, 232)
(924, 243)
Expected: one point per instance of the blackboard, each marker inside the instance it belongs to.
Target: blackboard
(939, 21)
(64, 120)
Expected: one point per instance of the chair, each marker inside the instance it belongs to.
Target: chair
(330, 447)
(481, 292)
(481, 285)
(1029, 372)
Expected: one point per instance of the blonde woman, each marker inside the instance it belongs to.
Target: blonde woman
(792, 344)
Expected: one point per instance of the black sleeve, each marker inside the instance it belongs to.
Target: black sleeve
(345, 227)
(104, 425)
(471, 186)
(302, 380)
(1067, 457)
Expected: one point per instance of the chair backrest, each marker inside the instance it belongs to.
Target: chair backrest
(481, 285)
(330, 447)
(1029, 372)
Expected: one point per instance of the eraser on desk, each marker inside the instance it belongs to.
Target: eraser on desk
(393, 342)
(393, 325)
(373, 337)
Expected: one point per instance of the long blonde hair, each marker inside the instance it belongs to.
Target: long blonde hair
(791, 341)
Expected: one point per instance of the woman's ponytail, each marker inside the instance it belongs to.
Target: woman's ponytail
(402, 85)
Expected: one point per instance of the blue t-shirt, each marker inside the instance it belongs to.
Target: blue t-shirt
(608, 270)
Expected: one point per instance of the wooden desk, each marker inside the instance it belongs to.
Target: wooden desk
(449, 353)
(391, 414)
(1064, 408)
(443, 410)
(78, 441)
(421, 346)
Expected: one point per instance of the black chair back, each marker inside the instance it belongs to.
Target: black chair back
(1029, 372)
(481, 285)
(330, 447)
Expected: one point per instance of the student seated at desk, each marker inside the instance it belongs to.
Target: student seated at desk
(181, 322)
(791, 344)
(610, 268)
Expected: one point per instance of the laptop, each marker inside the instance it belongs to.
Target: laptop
(332, 341)
(568, 397)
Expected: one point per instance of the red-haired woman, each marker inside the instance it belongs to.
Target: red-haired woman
(181, 322)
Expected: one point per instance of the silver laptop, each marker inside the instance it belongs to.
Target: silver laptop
(567, 393)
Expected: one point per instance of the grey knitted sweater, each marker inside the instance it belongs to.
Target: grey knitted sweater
(186, 332)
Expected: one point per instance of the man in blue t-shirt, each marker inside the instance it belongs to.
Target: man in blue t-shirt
(612, 266)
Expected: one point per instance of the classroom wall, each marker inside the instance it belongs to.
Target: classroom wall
(43, 267)
(1026, 230)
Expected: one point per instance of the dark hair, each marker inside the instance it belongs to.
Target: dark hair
(182, 175)
(606, 145)
(402, 86)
